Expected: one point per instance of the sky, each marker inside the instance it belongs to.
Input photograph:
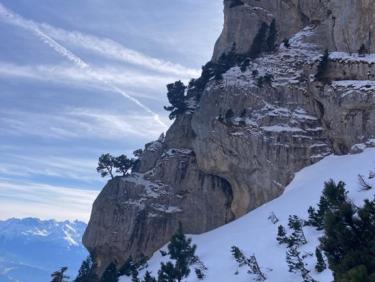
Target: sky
(83, 78)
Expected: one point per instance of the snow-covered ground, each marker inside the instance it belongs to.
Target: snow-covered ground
(255, 234)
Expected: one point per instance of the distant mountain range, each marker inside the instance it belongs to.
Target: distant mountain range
(31, 249)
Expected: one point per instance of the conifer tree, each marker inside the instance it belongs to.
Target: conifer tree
(334, 195)
(298, 236)
(59, 276)
(110, 274)
(176, 97)
(272, 37)
(281, 235)
(123, 164)
(258, 44)
(251, 263)
(182, 252)
(297, 265)
(86, 272)
(320, 264)
(105, 165)
(322, 66)
(148, 277)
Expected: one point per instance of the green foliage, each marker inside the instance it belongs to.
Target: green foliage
(259, 42)
(272, 37)
(107, 163)
(228, 116)
(123, 164)
(251, 263)
(59, 276)
(362, 50)
(110, 274)
(182, 252)
(322, 67)
(281, 235)
(148, 277)
(86, 272)
(298, 236)
(286, 43)
(176, 97)
(320, 264)
(334, 195)
(297, 265)
(349, 234)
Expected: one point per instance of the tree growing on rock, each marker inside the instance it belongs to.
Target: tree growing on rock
(110, 274)
(322, 67)
(177, 99)
(59, 276)
(258, 44)
(86, 271)
(123, 164)
(272, 37)
(106, 165)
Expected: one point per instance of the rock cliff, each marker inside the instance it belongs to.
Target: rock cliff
(245, 136)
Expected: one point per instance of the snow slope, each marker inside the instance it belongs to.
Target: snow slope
(255, 234)
(31, 249)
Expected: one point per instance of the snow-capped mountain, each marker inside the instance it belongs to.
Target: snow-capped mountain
(31, 249)
(255, 234)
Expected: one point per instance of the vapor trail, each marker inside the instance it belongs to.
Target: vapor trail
(12, 18)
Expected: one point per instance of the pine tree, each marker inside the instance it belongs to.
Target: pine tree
(258, 44)
(320, 264)
(105, 165)
(110, 274)
(123, 164)
(176, 97)
(148, 277)
(297, 265)
(322, 67)
(59, 276)
(362, 50)
(251, 263)
(286, 43)
(228, 116)
(298, 236)
(272, 37)
(281, 235)
(167, 273)
(334, 195)
(86, 272)
(182, 252)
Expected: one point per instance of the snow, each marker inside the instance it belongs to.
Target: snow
(255, 234)
(281, 128)
(355, 57)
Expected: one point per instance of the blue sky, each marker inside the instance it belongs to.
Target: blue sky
(82, 78)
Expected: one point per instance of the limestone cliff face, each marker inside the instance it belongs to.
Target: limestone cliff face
(342, 25)
(210, 169)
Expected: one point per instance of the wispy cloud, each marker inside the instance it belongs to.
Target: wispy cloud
(79, 123)
(64, 74)
(21, 199)
(34, 27)
(114, 50)
(73, 168)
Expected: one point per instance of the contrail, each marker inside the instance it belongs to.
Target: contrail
(17, 20)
